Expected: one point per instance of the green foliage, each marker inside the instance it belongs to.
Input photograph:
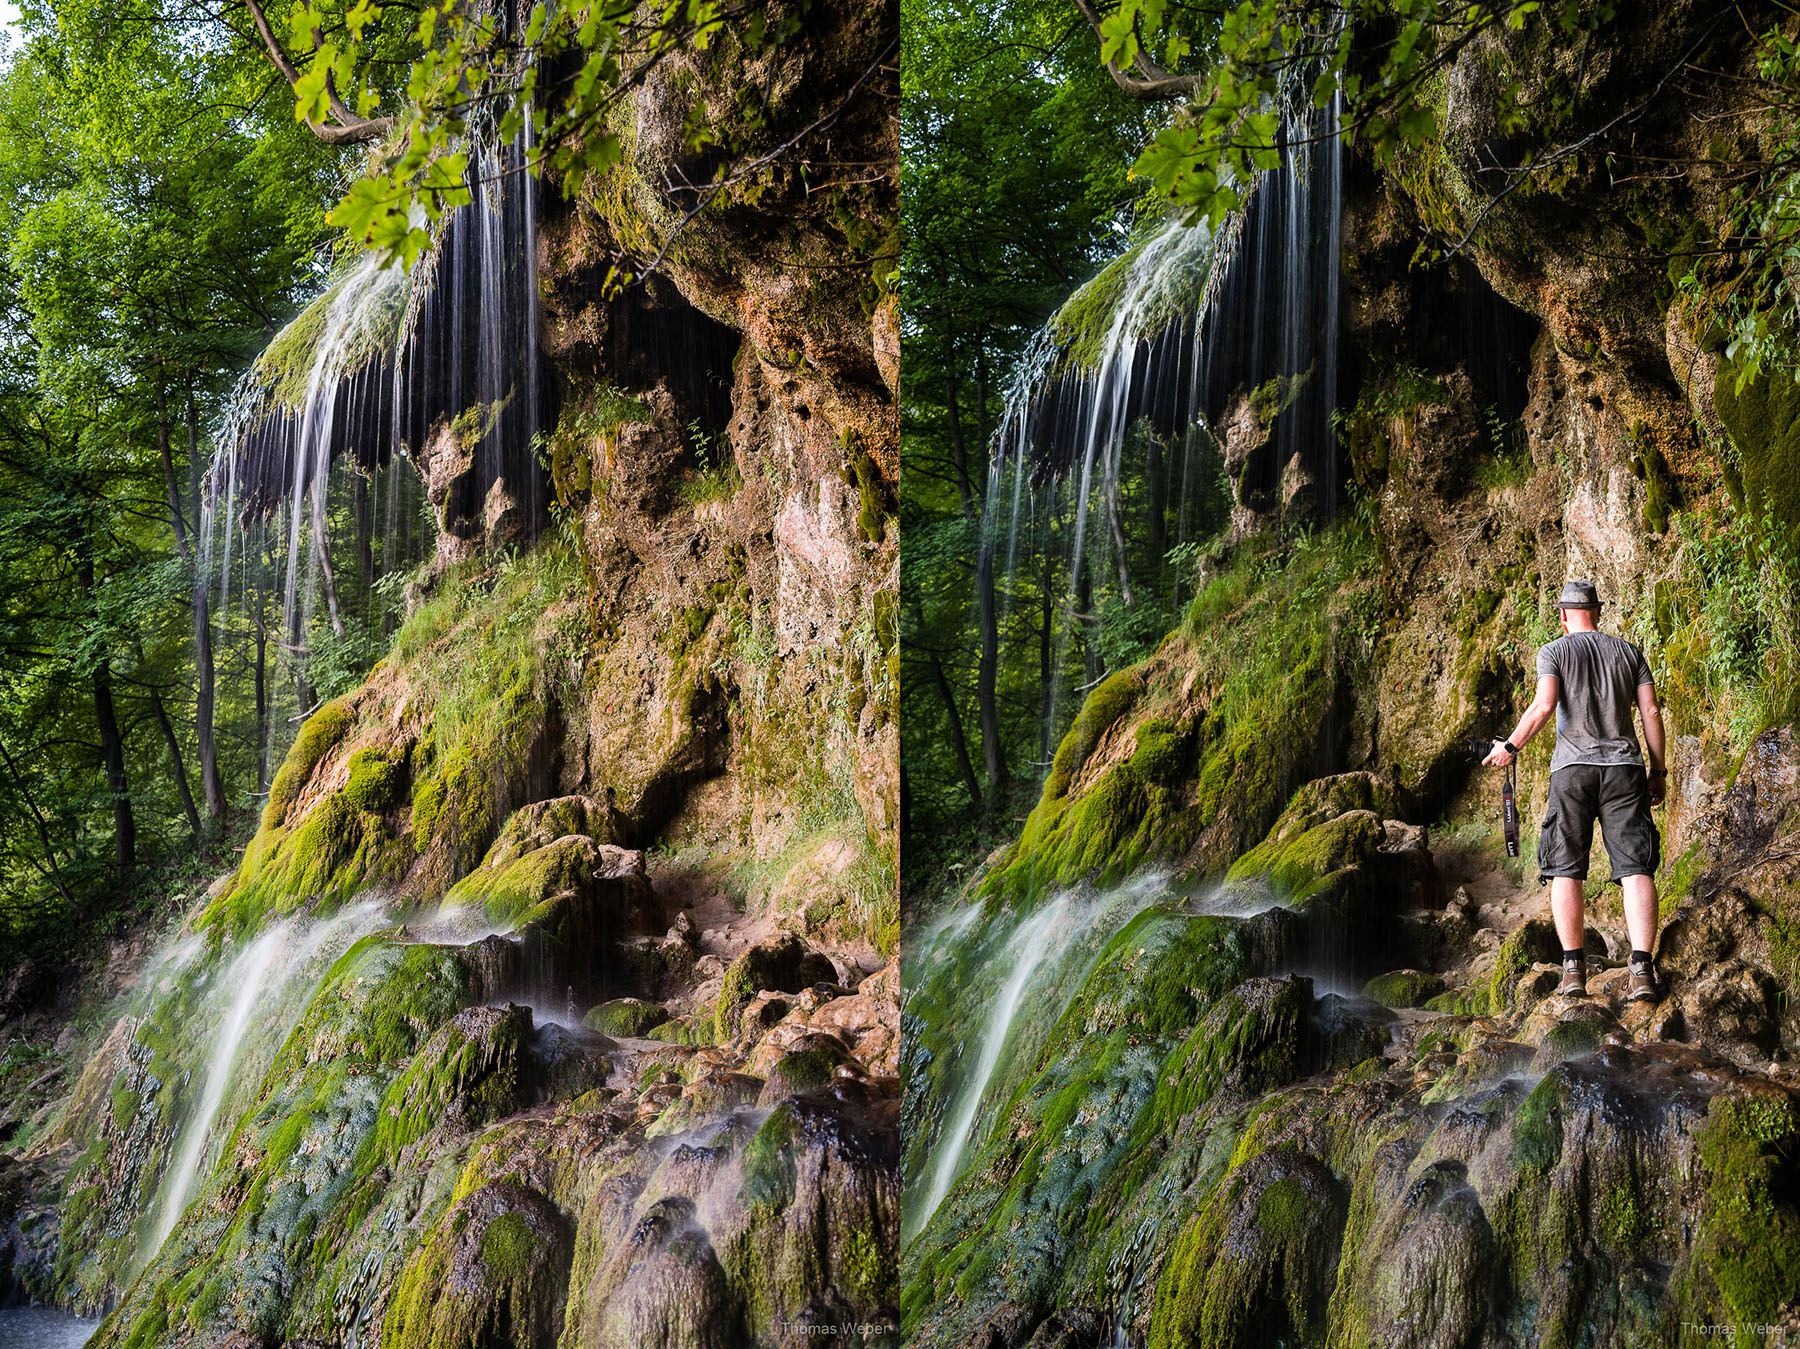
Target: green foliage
(155, 217)
(1003, 121)
(1381, 56)
(1725, 624)
(566, 70)
(508, 1247)
(1750, 1248)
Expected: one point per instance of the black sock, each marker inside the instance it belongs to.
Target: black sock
(1640, 957)
(1573, 955)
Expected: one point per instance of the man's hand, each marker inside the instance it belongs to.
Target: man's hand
(1497, 756)
(1659, 788)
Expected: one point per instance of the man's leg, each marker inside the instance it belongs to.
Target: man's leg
(1567, 908)
(1640, 911)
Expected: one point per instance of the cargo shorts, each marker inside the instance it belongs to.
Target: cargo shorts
(1618, 796)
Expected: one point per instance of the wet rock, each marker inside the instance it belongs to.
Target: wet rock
(1007, 1327)
(1432, 1287)
(544, 822)
(570, 1063)
(495, 1270)
(1257, 1265)
(1404, 988)
(625, 1016)
(1346, 1032)
(673, 1293)
(1732, 1006)
(473, 1070)
(809, 1063)
(1069, 1328)
(658, 967)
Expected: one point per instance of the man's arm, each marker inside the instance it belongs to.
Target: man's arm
(1651, 712)
(1542, 708)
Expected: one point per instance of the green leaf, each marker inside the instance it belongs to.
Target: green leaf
(311, 102)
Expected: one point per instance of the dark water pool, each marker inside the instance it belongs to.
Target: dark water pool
(42, 1328)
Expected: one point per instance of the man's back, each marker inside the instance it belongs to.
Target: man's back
(1598, 676)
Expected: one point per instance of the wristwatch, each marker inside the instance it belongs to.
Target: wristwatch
(1509, 747)
(1658, 773)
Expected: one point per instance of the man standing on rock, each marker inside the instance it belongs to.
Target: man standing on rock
(1591, 680)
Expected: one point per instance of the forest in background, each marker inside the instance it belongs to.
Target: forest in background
(163, 216)
(1016, 192)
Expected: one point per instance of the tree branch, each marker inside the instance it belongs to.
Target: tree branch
(345, 128)
(1152, 83)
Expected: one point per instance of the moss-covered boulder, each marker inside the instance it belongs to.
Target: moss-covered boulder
(1404, 988)
(810, 1062)
(573, 904)
(1258, 1263)
(1356, 877)
(494, 1271)
(675, 1293)
(542, 823)
(476, 1068)
(345, 839)
(625, 1016)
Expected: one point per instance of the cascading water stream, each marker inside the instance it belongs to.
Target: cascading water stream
(245, 979)
(1124, 440)
(1057, 941)
(1201, 334)
(274, 976)
(400, 378)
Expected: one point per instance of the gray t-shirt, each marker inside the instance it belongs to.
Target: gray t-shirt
(1598, 676)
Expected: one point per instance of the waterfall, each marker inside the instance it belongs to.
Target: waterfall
(245, 979)
(1188, 388)
(255, 985)
(1056, 939)
(423, 384)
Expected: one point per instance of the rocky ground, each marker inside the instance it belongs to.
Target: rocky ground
(704, 1157)
(1210, 1149)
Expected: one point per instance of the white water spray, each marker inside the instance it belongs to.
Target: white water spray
(1071, 925)
(246, 978)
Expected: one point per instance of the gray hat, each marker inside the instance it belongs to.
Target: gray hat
(1578, 595)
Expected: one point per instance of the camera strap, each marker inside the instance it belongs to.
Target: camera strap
(1509, 812)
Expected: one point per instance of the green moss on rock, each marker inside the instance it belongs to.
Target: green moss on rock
(1404, 988)
(626, 1016)
(1764, 421)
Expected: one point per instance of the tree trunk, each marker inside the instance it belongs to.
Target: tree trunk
(1117, 528)
(958, 741)
(1046, 655)
(262, 701)
(181, 779)
(365, 549)
(327, 574)
(1156, 478)
(212, 783)
(112, 755)
(959, 455)
(112, 749)
(993, 753)
(1084, 604)
(168, 468)
(51, 870)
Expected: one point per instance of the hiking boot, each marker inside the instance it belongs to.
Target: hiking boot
(1641, 986)
(1574, 984)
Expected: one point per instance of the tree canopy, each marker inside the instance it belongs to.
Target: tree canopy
(163, 215)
